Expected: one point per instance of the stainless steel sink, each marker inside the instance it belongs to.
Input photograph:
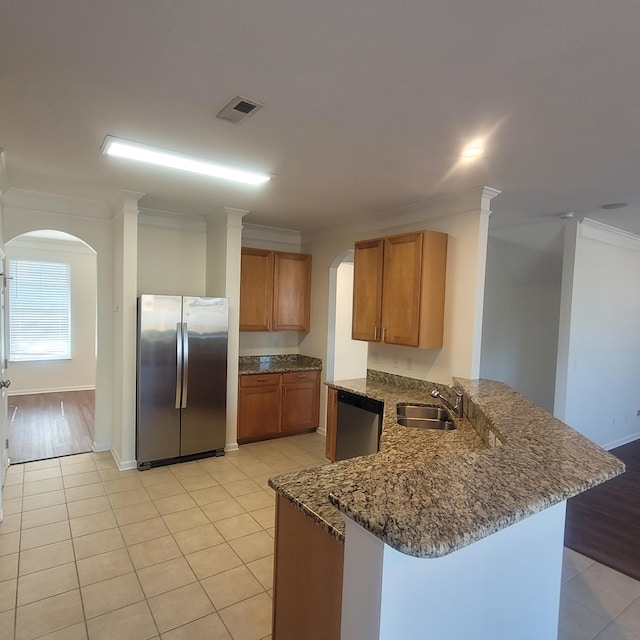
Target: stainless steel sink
(433, 412)
(426, 423)
(420, 416)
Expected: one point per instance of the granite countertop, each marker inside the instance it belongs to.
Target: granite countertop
(428, 493)
(251, 365)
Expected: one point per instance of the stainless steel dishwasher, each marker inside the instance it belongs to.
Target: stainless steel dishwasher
(359, 425)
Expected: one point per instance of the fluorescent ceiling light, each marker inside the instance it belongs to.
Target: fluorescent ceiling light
(145, 153)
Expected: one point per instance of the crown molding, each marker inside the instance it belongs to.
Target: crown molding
(256, 235)
(52, 203)
(605, 233)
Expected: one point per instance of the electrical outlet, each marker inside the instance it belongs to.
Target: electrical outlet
(409, 363)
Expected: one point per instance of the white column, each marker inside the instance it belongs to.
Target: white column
(224, 242)
(125, 271)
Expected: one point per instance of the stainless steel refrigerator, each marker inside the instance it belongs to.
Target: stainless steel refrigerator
(181, 378)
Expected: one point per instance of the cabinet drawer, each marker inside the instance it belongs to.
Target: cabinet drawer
(260, 380)
(292, 377)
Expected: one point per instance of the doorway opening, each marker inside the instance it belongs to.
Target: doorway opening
(346, 358)
(52, 345)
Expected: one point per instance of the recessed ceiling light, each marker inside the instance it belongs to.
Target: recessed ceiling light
(473, 150)
(614, 205)
(113, 146)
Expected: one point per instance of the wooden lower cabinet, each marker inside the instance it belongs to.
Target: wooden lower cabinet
(300, 400)
(272, 405)
(307, 578)
(259, 407)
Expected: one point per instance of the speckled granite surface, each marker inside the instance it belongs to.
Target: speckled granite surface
(249, 365)
(429, 493)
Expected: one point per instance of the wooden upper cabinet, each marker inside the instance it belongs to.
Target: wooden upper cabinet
(367, 289)
(411, 291)
(256, 290)
(291, 292)
(275, 291)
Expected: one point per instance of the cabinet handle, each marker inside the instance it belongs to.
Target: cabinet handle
(375, 333)
(384, 333)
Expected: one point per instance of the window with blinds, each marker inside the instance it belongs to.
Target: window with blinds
(39, 310)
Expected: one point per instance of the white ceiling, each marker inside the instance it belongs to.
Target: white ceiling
(366, 102)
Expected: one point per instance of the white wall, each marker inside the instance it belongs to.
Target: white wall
(466, 224)
(464, 217)
(171, 261)
(350, 356)
(91, 222)
(522, 309)
(599, 342)
(80, 371)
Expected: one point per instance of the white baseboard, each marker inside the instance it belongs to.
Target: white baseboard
(30, 392)
(123, 465)
(622, 441)
(101, 446)
(232, 446)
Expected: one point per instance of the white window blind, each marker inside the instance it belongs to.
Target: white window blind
(39, 310)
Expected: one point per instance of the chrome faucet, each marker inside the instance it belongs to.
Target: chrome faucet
(457, 407)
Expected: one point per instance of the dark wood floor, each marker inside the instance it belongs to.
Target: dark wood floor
(49, 425)
(604, 522)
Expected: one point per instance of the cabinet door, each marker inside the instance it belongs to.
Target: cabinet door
(401, 289)
(307, 578)
(256, 290)
(434, 267)
(332, 424)
(367, 290)
(258, 407)
(300, 401)
(292, 292)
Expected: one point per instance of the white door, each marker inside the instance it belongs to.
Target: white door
(4, 422)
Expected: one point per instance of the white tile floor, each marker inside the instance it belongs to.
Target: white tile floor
(186, 552)
(597, 603)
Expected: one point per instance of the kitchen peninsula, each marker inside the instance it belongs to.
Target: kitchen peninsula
(442, 534)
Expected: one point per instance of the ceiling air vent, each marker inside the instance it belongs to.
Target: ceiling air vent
(239, 109)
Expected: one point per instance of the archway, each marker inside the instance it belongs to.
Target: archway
(346, 358)
(52, 397)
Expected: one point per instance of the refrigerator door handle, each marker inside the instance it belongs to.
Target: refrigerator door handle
(185, 364)
(178, 362)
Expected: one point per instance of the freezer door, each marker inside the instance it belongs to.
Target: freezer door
(158, 372)
(204, 392)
